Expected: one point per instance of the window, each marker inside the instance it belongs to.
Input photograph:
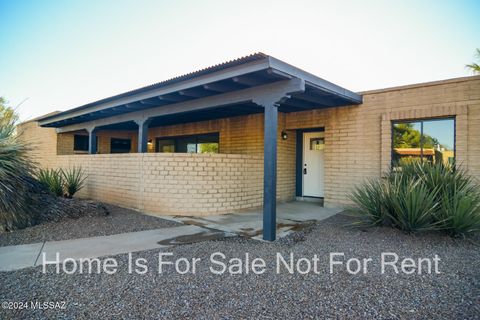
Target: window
(202, 143)
(317, 144)
(120, 145)
(431, 140)
(207, 143)
(166, 145)
(80, 143)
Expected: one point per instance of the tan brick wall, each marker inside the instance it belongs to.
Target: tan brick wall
(238, 135)
(358, 138)
(183, 184)
(41, 141)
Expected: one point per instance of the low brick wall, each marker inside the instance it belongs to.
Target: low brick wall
(162, 183)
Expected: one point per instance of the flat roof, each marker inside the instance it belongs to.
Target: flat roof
(250, 71)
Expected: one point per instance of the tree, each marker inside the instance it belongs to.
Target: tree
(475, 67)
(406, 136)
(7, 114)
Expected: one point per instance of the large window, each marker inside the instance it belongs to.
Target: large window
(120, 145)
(201, 143)
(431, 140)
(80, 143)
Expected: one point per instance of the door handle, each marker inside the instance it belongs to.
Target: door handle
(304, 170)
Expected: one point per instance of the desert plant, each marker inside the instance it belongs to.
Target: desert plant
(16, 200)
(74, 181)
(460, 213)
(53, 180)
(410, 204)
(370, 200)
(422, 196)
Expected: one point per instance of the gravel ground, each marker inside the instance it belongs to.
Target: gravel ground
(118, 221)
(453, 294)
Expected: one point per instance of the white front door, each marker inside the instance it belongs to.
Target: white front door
(313, 169)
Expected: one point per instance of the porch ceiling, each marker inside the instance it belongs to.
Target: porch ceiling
(238, 75)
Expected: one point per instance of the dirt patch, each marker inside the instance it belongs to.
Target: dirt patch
(193, 238)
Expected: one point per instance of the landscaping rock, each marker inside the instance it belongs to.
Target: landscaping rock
(452, 294)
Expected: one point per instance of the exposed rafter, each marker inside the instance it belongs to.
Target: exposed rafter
(194, 93)
(172, 98)
(316, 100)
(298, 104)
(238, 75)
(248, 80)
(221, 87)
(149, 103)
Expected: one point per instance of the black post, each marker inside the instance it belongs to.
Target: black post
(270, 172)
(92, 141)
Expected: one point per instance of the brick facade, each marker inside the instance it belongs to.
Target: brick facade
(358, 138)
(357, 146)
(163, 183)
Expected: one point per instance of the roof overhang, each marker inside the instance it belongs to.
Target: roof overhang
(209, 85)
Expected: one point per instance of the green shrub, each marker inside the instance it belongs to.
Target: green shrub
(74, 181)
(53, 180)
(62, 182)
(421, 196)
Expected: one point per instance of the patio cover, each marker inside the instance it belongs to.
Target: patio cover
(257, 83)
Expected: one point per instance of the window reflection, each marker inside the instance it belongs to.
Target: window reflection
(427, 140)
(439, 137)
(202, 143)
(406, 142)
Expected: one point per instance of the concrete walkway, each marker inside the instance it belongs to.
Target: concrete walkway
(30, 255)
(291, 216)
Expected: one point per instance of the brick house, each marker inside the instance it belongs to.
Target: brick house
(194, 145)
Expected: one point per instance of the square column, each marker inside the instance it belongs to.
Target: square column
(92, 140)
(270, 172)
(143, 135)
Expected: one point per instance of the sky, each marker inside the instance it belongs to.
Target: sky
(58, 55)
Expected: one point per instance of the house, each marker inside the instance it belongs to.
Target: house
(250, 132)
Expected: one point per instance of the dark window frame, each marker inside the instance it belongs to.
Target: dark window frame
(422, 120)
(195, 136)
(76, 143)
(121, 139)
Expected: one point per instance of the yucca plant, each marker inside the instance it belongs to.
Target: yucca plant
(460, 214)
(410, 204)
(74, 181)
(420, 196)
(370, 200)
(16, 200)
(53, 180)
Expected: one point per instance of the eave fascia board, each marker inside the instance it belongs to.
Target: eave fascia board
(261, 95)
(220, 75)
(313, 80)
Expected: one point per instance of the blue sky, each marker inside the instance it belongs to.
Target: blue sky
(62, 54)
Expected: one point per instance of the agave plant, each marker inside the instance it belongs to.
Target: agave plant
(74, 181)
(53, 180)
(411, 205)
(422, 196)
(370, 200)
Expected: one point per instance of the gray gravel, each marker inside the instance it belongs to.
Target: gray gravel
(454, 294)
(119, 220)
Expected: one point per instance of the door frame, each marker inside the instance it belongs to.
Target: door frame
(299, 159)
